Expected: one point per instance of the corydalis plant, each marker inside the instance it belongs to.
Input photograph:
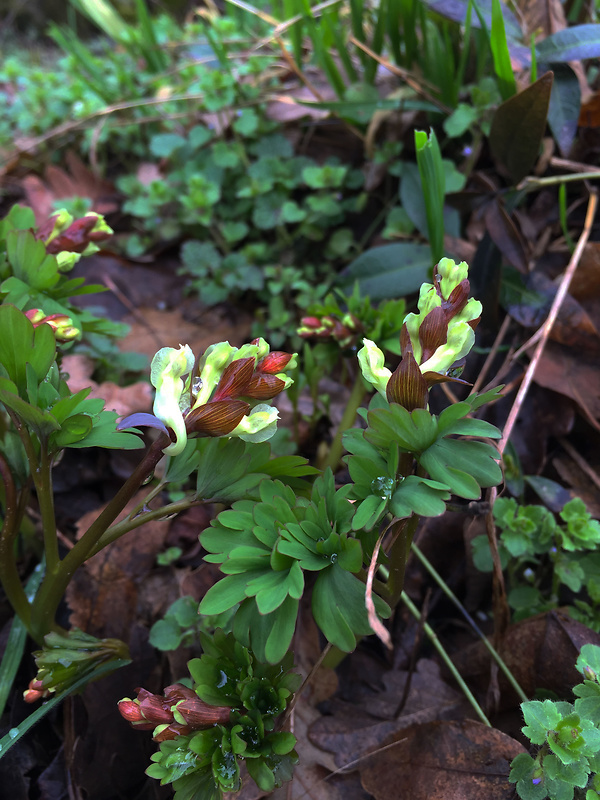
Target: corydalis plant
(225, 394)
(432, 341)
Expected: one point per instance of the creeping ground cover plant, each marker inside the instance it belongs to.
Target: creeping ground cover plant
(288, 532)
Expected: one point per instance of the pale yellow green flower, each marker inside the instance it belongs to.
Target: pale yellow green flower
(372, 365)
(259, 425)
(169, 367)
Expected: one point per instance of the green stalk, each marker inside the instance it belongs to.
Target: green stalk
(404, 531)
(42, 480)
(347, 421)
(446, 659)
(131, 523)
(55, 583)
(449, 593)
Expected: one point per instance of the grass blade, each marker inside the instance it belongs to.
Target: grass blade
(15, 644)
(433, 182)
(501, 54)
(13, 736)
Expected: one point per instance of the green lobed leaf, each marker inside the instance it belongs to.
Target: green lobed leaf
(338, 605)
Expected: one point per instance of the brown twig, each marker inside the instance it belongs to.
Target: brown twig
(492, 354)
(549, 323)
(401, 73)
(376, 624)
(500, 601)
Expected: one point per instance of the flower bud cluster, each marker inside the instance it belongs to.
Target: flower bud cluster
(65, 658)
(176, 713)
(226, 394)
(63, 327)
(432, 341)
(342, 330)
(68, 239)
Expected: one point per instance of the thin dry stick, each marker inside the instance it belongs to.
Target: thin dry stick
(492, 354)
(376, 624)
(401, 73)
(548, 324)
(500, 602)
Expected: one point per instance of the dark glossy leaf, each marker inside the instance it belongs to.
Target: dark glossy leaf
(570, 44)
(518, 128)
(565, 105)
(393, 270)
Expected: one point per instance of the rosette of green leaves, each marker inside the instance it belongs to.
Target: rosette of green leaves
(207, 763)
(264, 548)
(457, 465)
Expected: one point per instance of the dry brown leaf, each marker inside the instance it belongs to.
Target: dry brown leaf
(353, 729)
(450, 760)
(573, 374)
(103, 594)
(76, 181)
(540, 652)
(170, 329)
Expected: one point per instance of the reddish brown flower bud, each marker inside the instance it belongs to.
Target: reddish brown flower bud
(32, 695)
(216, 418)
(154, 708)
(77, 236)
(457, 300)
(130, 710)
(264, 387)
(197, 714)
(407, 386)
(433, 333)
(172, 731)
(235, 379)
(274, 362)
(310, 322)
(177, 692)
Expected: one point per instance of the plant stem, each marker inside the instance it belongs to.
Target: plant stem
(446, 658)
(9, 574)
(131, 523)
(42, 480)
(55, 583)
(347, 421)
(403, 531)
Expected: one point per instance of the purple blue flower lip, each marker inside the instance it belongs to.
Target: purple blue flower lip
(141, 419)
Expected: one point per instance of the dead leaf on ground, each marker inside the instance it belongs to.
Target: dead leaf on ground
(450, 760)
(170, 329)
(354, 729)
(76, 181)
(573, 327)
(122, 399)
(103, 594)
(573, 374)
(540, 652)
